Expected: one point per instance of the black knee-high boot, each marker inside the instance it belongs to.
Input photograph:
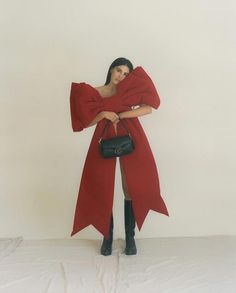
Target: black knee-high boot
(129, 228)
(106, 247)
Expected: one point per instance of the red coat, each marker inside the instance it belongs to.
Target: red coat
(95, 198)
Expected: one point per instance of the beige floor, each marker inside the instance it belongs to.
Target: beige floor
(162, 265)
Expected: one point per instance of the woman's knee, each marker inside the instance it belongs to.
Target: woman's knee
(126, 193)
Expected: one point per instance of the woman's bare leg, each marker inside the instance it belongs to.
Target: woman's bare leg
(130, 247)
(124, 183)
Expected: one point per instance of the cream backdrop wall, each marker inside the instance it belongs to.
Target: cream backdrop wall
(187, 47)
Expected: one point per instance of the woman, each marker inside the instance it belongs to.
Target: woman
(127, 94)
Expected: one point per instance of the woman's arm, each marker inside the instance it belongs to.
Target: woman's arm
(112, 116)
(140, 111)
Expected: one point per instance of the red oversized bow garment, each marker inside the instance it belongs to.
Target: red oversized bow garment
(96, 193)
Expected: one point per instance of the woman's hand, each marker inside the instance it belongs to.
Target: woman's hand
(112, 116)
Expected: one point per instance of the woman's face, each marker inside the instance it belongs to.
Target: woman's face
(118, 73)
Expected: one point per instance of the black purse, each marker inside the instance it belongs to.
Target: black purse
(117, 146)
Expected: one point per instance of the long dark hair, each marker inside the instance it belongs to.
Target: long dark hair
(117, 62)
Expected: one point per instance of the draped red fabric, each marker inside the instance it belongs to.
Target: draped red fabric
(96, 192)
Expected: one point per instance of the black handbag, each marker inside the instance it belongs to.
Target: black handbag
(116, 146)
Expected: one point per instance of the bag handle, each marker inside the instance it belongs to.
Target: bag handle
(108, 124)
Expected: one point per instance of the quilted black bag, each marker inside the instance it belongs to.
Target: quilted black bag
(116, 146)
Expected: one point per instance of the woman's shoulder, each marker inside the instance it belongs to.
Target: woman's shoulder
(100, 90)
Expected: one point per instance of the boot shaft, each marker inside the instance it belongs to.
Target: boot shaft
(130, 248)
(129, 219)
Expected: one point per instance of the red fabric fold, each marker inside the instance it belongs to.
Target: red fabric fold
(96, 192)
